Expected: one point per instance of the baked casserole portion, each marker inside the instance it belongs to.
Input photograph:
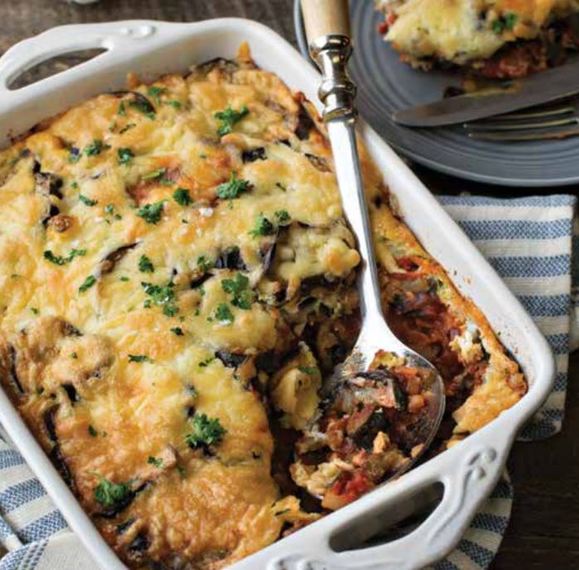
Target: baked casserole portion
(493, 38)
(177, 281)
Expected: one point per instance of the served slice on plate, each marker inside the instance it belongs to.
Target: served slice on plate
(493, 38)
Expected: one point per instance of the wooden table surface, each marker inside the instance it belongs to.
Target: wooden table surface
(544, 530)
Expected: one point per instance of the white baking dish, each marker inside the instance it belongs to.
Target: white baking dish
(469, 471)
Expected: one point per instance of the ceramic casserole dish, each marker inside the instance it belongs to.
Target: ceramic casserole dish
(455, 482)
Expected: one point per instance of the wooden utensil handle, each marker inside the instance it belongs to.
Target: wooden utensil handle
(325, 17)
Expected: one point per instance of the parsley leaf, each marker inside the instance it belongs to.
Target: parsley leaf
(155, 93)
(125, 155)
(174, 103)
(206, 362)
(223, 314)
(91, 431)
(151, 213)
(87, 201)
(177, 331)
(162, 297)
(282, 217)
(139, 358)
(87, 283)
(146, 265)
(238, 287)
(95, 148)
(507, 22)
(233, 188)
(110, 494)
(156, 461)
(263, 227)
(205, 431)
(59, 260)
(182, 197)
(310, 370)
(204, 264)
(229, 117)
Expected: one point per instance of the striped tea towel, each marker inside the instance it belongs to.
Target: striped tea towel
(527, 240)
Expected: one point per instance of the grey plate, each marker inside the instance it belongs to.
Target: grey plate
(386, 85)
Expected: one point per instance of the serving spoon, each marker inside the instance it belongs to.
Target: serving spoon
(327, 29)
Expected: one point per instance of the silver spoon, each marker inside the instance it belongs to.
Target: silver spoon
(327, 29)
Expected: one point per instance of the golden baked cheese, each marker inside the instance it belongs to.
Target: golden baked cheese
(468, 32)
(177, 280)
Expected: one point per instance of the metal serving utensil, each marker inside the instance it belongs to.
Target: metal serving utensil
(327, 29)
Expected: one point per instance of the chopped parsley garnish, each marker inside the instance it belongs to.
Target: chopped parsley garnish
(34, 310)
(205, 431)
(228, 118)
(146, 265)
(59, 260)
(95, 148)
(206, 362)
(204, 264)
(310, 370)
(74, 355)
(139, 358)
(124, 278)
(223, 314)
(155, 93)
(110, 494)
(151, 213)
(87, 283)
(263, 227)
(125, 155)
(182, 197)
(126, 128)
(177, 331)
(507, 22)
(91, 431)
(87, 201)
(233, 188)
(162, 297)
(174, 103)
(238, 288)
(110, 210)
(122, 111)
(156, 461)
(282, 217)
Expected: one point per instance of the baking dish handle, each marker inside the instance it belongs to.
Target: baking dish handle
(467, 479)
(63, 40)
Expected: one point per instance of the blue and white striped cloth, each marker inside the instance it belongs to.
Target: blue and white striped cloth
(528, 241)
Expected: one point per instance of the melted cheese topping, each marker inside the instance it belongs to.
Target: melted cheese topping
(461, 31)
(154, 326)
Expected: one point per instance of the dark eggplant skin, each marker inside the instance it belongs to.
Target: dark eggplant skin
(253, 154)
(230, 258)
(52, 212)
(12, 373)
(305, 124)
(58, 460)
(139, 544)
(48, 418)
(71, 393)
(47, 183)
(121, 528)
(229, 359)
(318, 162)
(227, 66)
(109, 262)
(139, 98)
